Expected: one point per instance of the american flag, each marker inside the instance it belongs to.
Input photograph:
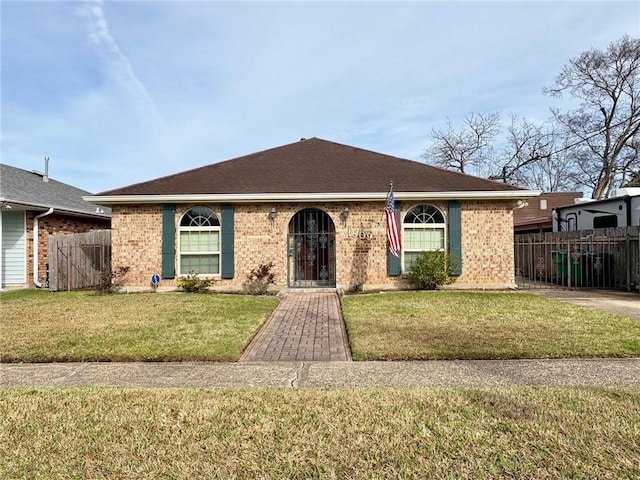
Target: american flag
(393, 234)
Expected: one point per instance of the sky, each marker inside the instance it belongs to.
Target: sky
(119, 92)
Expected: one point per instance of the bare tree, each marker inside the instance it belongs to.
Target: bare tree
(468, 150)
(634, 181)
(535, 157)
(550, 173)
(604, 130)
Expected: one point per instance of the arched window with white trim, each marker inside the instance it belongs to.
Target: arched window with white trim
(423, 229)
(199, 242)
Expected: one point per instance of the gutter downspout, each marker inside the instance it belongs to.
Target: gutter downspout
(36, 282)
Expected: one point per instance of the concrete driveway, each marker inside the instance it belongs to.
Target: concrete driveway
(619, 303)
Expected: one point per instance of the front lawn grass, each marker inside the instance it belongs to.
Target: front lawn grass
(40, 326)
(518, 432)
(481, 325)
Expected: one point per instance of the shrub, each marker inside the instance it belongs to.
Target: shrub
(110, 281)
(432, 269)
(259, 279)
(193, 284)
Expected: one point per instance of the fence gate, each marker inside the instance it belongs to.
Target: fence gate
(607, 258)
(77, 261)
(311, 250)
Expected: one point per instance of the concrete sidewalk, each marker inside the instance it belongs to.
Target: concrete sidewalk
(477, 373)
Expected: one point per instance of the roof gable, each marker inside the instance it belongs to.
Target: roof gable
(312, 166)
(29, 189)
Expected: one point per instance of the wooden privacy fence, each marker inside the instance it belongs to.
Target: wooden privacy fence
(77, 261)
(607, 258)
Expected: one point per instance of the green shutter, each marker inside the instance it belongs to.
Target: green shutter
(394, 266)
(227, 265)
(455, 235)
(168, 241)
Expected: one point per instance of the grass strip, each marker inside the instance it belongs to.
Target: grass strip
(40, 326)
(482, 325)
(520, 432)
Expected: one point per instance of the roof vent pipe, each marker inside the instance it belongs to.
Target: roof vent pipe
(45, 177)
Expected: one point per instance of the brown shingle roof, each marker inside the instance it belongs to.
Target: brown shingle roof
(312, 166)
(535, 217)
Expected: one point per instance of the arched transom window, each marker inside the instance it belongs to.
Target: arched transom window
(423, 229)
(199, 242)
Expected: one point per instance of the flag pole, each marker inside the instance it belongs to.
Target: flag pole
(387, 199)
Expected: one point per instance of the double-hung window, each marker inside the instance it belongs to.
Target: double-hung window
(199, 242)
(423, 229)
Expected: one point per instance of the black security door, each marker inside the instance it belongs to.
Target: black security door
(311, 249)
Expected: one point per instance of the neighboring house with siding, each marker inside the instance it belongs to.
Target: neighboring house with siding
(33, 207)
(315, 209)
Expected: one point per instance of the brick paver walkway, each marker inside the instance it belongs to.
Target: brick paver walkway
(306, 326)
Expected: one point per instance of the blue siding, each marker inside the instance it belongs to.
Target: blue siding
(13, 248)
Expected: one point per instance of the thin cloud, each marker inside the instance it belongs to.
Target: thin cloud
(118, 64)
(230, 78)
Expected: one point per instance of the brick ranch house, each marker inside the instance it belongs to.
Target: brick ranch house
(33, 207)
(315, 209)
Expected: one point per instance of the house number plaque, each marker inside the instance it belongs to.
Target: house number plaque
(361, 234)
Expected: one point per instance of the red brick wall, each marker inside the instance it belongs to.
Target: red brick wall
(487, 242)
(136, 242)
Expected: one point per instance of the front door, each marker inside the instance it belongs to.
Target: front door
(311, 249)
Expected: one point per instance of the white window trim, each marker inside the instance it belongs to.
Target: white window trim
(422, 226)
(190, 253)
